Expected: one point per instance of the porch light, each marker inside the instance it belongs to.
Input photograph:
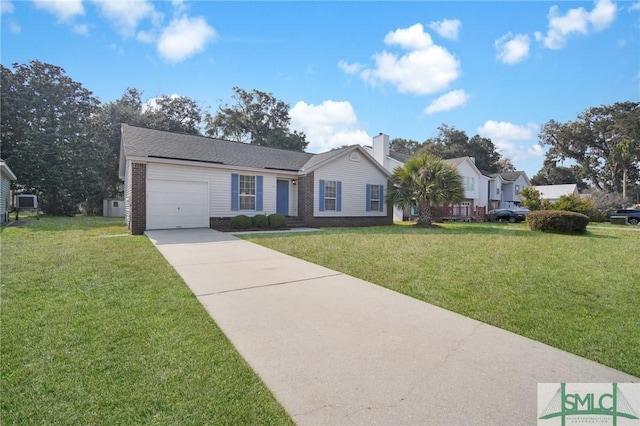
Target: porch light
(293, 182)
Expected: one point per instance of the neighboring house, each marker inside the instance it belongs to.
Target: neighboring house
(176, 180)
(6, 177)
(475, 183)
(512, 184)
(552, 193)
(482, 191)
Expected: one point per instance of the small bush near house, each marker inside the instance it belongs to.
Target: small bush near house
(596, 216)
(241, 222)
(276, 220)
(260, 221)
(558, 221)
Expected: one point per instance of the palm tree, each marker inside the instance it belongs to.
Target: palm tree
(424, 182)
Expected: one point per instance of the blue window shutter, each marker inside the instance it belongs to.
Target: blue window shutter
(339, 196)
(321, 197)
(259, 193)
(381, 202)
(367, 200)
(234, 191)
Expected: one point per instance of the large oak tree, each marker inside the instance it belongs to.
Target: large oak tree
(46, 135)
(604, 143)
(258, 118)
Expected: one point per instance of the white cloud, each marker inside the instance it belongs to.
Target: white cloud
(184, 37)
(447, 28)
(126, 15)
(602, 14)
(419, 72)
(64, 10)
(350, 68)
(146, 36)
(410, 38)
(6, 7)
(576, 21)
(518, 142)
(634, 6)
(512, 49)
(425, 69)
(448, 101)
(13, 27)
(82, 29)
(328, 125)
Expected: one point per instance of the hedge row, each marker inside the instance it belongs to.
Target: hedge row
(557, 221)
(273, 221)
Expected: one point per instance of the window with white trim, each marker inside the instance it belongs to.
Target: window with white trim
(517, 189)
(374, 198)
(469, 183)
(247, 192)
(330, 194)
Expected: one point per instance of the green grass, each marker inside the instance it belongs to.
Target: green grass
(577, 293)
(98, 329)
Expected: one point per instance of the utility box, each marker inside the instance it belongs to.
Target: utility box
(618, 220)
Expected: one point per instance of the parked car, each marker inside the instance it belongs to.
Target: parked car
(632, 215)
(507, 215)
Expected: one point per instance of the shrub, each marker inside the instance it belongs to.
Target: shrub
(531, 198)
(241, 222)
(573, 203)
(596, 216)
(558, 221)
(260, 221)
(276, 220)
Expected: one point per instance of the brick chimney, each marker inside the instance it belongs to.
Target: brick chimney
(381, 148)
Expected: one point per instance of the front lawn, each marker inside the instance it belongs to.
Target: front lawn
(577, 293)
(98, 329)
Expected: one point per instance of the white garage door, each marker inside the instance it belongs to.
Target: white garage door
(177, 204)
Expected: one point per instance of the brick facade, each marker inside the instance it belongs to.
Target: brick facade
(138, 198)
(305, 197)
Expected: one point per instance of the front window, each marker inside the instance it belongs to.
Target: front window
(247, 192)
(330, 194)
(517, 189)
(469, 183)
(374, 200)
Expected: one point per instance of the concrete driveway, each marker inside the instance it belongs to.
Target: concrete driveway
(337, 350)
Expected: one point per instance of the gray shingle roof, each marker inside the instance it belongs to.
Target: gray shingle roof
(511, 176)
(317, 159)
(398, 156)
(149, 143)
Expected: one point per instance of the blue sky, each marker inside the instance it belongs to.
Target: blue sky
(351, 70)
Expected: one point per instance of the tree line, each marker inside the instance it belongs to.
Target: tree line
(63, 143)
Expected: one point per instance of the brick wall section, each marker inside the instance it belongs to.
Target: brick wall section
(320, 222)
(305, 197)
(220, 223)
(138, 198)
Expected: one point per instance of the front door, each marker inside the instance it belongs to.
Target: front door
(282, 197)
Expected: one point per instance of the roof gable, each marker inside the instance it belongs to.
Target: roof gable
(319, 160)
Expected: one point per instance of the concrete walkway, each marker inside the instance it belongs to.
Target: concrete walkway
(336, 350)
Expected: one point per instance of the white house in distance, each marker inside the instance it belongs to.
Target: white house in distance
(483, 191)
(552, 193)
(6, 177)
